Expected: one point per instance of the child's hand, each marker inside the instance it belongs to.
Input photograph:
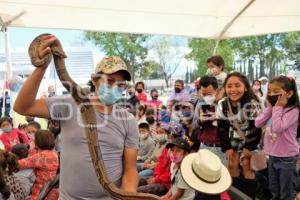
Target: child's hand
(282, 100)
(229, 154)
(144, 165)
(150, 181)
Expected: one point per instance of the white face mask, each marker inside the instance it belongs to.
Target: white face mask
(209, 99)
(144, 136)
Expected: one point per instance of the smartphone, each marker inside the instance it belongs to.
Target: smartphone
(207, 108)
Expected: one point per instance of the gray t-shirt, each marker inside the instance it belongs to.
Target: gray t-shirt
(115, 132)
(189, 193)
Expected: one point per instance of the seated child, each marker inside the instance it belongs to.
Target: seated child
(179, 189)
(160, 183)
(44, 162)
(25, 176)
(150, 163)
(31, 129)
(8, 167)
(11, 136)
(146, 144)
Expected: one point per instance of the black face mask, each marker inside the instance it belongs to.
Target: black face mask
(155, 97)
(130, 93)
(185, 127)
(139, 90)
(150, 120)
(177, 90)
(272, 99)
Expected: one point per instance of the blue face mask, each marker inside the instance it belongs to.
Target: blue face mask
(186, 113)
(6, 130)
(109, 95)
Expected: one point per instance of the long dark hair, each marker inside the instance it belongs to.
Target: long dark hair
(288, 84)
(4, 190)
(8, 165)
(249, 94)
(257, 81)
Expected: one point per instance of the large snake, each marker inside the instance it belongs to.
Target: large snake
(88, 116)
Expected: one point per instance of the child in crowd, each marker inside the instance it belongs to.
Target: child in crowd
(204, 172)
(281, 118)
(160, 183)
(31, 128)
(140, 114)
(151, 118)
(256, 86)
(4, 190)
(54, 127)
(8, 166)
(190, 135)
(216, 66)
(44, 162)
(236, 115)
(179, 189)
(150, 163)
(204, 121)
(146, 144)
(26, 176)
(11, 136)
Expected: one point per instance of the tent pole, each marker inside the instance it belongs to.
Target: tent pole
(228, 25)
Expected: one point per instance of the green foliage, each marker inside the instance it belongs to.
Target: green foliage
(130, 47)
(151, 70)
(202, 49)
(273, 51)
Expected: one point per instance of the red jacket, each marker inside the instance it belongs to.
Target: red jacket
(142, 97)
(13, 137)
(162, 173)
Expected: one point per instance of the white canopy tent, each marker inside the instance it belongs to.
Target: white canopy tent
(195, 18)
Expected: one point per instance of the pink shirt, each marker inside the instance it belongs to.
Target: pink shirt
(281, 129)
(154, 103)
(13, 137)
(142, 97)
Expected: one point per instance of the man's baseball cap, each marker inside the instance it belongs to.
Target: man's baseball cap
(113, 64)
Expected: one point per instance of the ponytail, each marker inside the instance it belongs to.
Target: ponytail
(11, 162)
(4, 190)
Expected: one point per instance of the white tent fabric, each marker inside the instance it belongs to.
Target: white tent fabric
(195, 18)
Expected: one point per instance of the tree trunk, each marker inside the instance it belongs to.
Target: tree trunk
(250, 70)
(261, 67)
(166, 79)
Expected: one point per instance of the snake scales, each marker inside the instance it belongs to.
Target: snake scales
(88, 117)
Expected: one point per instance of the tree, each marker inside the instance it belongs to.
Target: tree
(270, 50)
(151, 70)
(169, 57)
(202, 49)
(130, 47)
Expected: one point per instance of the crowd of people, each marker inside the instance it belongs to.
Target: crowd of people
(228, 132)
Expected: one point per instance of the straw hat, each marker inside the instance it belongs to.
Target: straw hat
(204, 172)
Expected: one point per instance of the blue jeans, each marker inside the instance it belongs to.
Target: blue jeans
(146, 173)
(282, 173)
(139, 165)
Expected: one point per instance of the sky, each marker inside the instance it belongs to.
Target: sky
(22, 37)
